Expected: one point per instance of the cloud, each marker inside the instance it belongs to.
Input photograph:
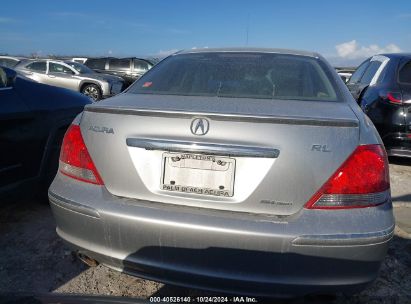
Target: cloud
(166, 53)
(352, 50)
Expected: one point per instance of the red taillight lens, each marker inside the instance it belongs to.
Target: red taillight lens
(362, 181)
(75, 161)
(392, 97)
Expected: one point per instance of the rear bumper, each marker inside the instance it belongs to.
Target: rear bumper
(224, 251)
(398, 144)
(399, 151)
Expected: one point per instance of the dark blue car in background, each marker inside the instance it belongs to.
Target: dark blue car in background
(382, 87)
(33, 120)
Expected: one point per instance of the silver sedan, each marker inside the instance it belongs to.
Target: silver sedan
(71, 75)
(250, 171)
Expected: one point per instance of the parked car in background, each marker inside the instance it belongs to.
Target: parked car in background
(72, 75)
(74, 59)
(130, 69)
(9, 62)
(382, 87)
(33, 120)
(153, 60)
(251, 171)
(345, 73)
(79, 59)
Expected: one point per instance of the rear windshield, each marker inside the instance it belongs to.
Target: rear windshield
(243, 75)
(405, 73)
(98, 64)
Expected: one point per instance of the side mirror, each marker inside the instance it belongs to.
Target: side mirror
(9, 75)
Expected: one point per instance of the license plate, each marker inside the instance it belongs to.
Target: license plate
(198, 174)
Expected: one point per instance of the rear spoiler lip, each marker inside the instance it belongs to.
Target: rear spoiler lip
(291, 120)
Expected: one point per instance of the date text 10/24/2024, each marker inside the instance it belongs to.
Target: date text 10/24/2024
(205, 299)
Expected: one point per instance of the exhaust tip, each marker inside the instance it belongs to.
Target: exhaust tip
(86, 259)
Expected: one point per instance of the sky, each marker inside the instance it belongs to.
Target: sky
(345, 32)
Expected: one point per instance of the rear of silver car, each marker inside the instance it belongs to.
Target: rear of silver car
(246, 195)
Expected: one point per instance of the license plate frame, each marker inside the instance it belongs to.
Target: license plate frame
(199, 174)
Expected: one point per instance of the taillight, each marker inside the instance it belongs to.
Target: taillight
(361, 181)
(392, 97)
(75, 161)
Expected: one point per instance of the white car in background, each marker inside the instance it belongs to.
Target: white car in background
(71, 75)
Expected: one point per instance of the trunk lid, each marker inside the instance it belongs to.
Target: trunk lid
(283, 150)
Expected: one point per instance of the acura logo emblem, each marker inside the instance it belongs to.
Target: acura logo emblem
(200, 126)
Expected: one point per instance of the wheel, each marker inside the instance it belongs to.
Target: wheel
(93, 91)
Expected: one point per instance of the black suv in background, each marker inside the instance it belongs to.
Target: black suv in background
(130, 69)
(382, 87)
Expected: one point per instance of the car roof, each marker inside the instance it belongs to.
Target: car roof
(395, 55)
(120, 58)
(12, 57)
(250, 50)
(26, 62)
(115, 58)
(44, 59)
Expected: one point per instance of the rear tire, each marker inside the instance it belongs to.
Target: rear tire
(93, 91)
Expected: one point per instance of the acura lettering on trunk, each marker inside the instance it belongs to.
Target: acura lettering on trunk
(101, 129)
(249, 171)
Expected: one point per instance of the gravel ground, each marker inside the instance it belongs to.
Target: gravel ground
(34, 259)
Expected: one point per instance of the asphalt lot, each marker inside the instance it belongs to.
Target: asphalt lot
(34, 259)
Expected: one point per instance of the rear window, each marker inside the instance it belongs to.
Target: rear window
(119, 64)
(370, 72)
(3, 78)
(58, 68)
(97, 64)
(247, 75)
(356, 76)
(8, 63)
(40, 66)
(405, 73)
(141, 65)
